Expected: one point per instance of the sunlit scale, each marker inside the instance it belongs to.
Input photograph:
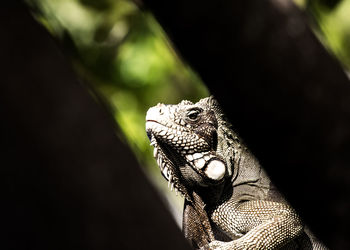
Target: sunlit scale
(180, 140)
(213, 168)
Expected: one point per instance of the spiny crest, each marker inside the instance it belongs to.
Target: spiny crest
(210, 103)
(185, 102)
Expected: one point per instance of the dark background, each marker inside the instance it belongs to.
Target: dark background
(67, 181)
(284, 94)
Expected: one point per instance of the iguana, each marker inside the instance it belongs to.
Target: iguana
(230, 203)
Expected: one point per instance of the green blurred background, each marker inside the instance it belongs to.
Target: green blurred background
(129, 64)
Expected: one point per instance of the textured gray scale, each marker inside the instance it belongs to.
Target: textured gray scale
(230, 203)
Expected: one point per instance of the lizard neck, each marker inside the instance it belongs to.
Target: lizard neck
(212, 194)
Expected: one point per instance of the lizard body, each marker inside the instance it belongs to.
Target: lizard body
(230, 203)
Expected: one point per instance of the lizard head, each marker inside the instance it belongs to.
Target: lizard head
(185, 140)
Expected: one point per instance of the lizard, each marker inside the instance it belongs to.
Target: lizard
(229, 200)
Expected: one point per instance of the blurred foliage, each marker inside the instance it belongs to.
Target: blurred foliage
(332, 25)
(130, 65)
(123, 54)
(125, 57)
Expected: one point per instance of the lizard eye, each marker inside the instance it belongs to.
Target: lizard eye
(193, 114)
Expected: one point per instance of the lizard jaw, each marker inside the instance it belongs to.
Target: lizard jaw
(168, 170)
(208, 164)
(205, 163)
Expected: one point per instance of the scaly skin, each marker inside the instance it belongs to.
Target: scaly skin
(230, 203)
